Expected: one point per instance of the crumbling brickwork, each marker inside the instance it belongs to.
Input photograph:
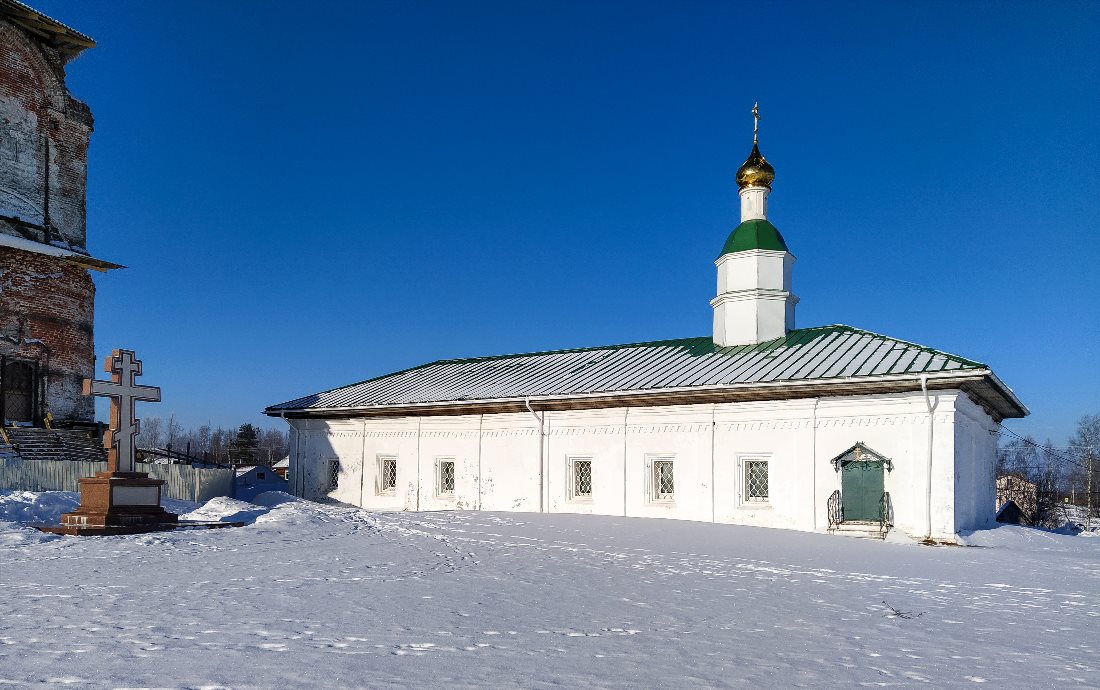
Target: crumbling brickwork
(46, 320)
(46, 302)
(40, 121)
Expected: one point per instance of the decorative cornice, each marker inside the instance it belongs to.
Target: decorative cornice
(449, 433)
(747, 253)
(753, 294)
(505, 433)
(391, 434)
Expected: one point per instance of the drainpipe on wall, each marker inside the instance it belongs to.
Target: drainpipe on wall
(363, 467)
(542, 459)
(418, 479)
(931, 419)
(626, 427)
(480, 435)
(292, 453)
(713, 495)
(813, 455)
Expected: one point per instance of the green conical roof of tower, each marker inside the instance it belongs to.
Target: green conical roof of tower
(754, 234)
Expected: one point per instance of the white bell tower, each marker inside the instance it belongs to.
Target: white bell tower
(754, 302)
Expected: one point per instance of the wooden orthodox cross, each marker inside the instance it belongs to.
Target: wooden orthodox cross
(124, 393)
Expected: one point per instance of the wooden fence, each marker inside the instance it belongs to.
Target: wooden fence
(184, 482)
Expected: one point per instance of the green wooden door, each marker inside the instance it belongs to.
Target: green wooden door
(861, 490)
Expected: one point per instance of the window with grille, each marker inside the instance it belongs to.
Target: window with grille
(582, 478)
(387, 474)
(756, 481)
(446, 471)
(333, 475)
(664, 487)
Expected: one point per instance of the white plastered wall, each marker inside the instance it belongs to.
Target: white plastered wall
(975, 466)
(497, 459)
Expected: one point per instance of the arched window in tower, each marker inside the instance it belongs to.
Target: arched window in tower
(18, 385)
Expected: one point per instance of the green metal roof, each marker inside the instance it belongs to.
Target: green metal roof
(822, 354)
(754, 234)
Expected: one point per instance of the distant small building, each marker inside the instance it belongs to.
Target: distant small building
(1010, 514)
(254, 480)
(282, 468)
(1015, 489)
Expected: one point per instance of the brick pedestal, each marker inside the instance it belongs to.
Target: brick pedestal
(117, 503)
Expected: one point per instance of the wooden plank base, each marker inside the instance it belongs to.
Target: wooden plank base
(114, 530)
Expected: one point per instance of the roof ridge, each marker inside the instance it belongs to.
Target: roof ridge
(918, 346)
(617, 346)
(484, 358)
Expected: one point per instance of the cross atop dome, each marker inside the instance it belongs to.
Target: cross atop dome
(756, 171)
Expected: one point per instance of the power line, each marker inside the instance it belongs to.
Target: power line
(1048, 449)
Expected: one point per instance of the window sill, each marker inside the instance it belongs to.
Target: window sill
(755, 506)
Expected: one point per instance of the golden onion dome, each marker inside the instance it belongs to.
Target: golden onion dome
(756, 171)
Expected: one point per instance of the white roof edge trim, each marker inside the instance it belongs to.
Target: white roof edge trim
(50, 250)
(968, 374)
(1011, 394)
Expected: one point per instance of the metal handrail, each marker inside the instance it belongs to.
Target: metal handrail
(836, 510)
(886, 511)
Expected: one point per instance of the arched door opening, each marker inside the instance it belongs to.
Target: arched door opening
(18, 384)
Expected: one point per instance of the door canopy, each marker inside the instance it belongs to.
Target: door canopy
(861, 453)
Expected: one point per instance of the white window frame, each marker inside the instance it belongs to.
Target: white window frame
(743, 480)
(383, 490)
(651, 478)
(571, 478)
(439, 491)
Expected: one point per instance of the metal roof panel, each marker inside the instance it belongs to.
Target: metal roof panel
(804, 354)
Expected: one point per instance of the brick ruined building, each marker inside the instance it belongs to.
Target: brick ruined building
(46, 293)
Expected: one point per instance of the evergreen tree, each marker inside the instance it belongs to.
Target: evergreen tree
(245, 445)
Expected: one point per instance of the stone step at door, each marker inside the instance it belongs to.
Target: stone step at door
(865, 530)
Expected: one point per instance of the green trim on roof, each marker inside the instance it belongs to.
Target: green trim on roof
(754, 234)
(818, 353)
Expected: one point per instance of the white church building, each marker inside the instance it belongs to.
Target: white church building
(829, 428)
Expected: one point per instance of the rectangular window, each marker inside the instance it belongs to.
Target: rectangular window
(446, 477)
(581, 479)
(333, 475)
(259, 475)
(387, 474)
(664, 487)
(756, 481)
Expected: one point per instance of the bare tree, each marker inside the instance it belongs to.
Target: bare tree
(273, 445)
(173, 430)
(1085, 447)
(1048, 476)
(151, 433)
(202, 439)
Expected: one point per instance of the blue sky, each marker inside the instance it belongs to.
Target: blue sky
(310, 195)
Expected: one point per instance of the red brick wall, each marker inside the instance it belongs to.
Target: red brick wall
(46, 303)
(39, 118)
(46, 310)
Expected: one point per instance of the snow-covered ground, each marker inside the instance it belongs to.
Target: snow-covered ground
(311, 595)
